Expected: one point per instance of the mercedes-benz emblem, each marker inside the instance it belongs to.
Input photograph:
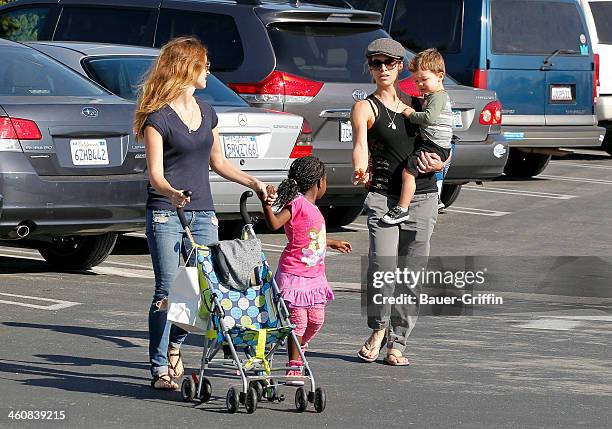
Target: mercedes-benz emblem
(90, 112)
(242, 120)
(359, 94)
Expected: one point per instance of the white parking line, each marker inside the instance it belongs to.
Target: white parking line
(122, 272)
(571, 164)
(520, 192)
(353, 226)
(480, 212)
(575, 179)
(59, 304)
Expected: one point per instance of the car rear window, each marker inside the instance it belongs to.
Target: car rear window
(432, 23)
(602, 15)
(26, 72)
(105, 25)
(217, 31)
(333, 53)
(24, 24)
(541, 28)
(123, 74)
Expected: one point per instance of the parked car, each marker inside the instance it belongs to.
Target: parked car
(542, 69)
(70, 173)
(287, 56)
(259, 141)
(598, 15)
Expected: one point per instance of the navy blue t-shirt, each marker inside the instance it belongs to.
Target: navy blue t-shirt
(186, 157)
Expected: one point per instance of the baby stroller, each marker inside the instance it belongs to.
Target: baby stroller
(248, 326)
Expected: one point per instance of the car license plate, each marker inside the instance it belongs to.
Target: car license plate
(240, 147)
(457, 121)
(89, 152)
(346, 131)
(561, 93)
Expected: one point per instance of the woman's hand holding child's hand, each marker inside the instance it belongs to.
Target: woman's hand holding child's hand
(269, 196)
(340, 245)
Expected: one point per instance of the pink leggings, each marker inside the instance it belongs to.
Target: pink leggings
(307, 320)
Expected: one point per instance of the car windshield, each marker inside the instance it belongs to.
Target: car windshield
(26, 72)
(332, 53)
(122, 74)
(602, 15)
(539, 32)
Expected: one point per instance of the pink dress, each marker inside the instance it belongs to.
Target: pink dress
(301, 268)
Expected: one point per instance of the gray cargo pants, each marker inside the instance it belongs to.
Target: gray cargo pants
(393, 246)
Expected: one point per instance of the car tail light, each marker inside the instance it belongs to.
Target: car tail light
(279, 87)
(491, 114)
(480, 79)
(409, 87)
(303, 144)
(14, 129)
(596, 78)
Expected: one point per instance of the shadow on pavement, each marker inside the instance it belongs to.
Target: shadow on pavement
(128, 245)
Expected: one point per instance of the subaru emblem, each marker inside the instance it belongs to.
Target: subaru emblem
(90, 112)
(242, 120)
(359, 94)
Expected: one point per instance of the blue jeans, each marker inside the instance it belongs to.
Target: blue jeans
(164, 236)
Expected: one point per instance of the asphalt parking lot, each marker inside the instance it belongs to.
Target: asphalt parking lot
(77, 342)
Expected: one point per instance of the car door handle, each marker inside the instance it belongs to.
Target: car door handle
(336, 113)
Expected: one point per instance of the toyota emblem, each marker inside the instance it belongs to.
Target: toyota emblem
(90, 112)
(242, 120)
(359, 94)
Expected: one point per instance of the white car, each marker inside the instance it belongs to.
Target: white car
(598, 14)
(260, 141)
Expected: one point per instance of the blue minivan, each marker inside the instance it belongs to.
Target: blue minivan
(536, 55)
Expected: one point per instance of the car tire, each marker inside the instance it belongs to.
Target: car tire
(336, 217)
(523, 164)
(449, 194)
(78, 252)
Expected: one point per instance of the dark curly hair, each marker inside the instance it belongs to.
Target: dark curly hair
(304, 173)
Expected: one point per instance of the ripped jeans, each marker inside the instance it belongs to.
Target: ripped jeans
(164, 236)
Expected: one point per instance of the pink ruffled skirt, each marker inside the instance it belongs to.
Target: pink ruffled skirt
(298, 291)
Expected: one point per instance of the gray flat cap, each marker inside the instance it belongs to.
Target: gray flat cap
(386, 46)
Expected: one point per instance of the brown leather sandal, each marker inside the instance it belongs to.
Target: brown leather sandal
(177, 370)
(163, 382)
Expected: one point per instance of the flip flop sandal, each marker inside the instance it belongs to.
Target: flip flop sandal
(396, 360)
(370, 348)
(178, 369)
(163, 382)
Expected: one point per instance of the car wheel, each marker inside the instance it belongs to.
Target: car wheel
(523, 164)
(449, 194)
(336, 217)
(78, 252)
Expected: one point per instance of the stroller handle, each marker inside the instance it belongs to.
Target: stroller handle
(181, 213)
(243, 208)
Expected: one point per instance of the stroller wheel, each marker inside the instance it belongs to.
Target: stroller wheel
(206, 391)
(259, 388)
(251, 400)
(188, 389)
(301, 402)
(231, 400)
(319, 400)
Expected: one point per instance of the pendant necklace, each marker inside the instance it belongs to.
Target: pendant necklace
(391, 119)
(188, 124)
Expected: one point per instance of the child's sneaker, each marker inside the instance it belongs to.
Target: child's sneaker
(295, 372)
(396, 215)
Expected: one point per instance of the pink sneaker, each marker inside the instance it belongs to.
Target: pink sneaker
(294, 372)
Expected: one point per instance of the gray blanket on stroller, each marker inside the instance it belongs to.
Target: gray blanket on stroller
(236, 261)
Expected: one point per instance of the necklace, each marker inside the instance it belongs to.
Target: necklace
(391, 119)
(190, 123)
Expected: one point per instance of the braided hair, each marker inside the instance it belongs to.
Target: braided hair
(304, 173)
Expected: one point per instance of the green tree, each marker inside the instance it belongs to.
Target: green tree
(21, 27)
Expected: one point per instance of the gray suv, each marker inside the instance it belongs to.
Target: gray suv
(299, 58)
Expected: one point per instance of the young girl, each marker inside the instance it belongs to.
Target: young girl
(301, 268)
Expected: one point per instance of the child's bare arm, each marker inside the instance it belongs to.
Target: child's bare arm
(339, 245)
(276, 220)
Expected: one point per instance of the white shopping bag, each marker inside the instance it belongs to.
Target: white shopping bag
(184, 301)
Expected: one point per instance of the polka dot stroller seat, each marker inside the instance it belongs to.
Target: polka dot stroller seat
(249, 327)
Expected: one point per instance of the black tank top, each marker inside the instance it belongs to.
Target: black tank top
(389, 149)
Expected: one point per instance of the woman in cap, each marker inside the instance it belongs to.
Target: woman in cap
(382, 140)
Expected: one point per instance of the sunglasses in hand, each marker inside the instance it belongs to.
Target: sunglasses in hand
(389, 63)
